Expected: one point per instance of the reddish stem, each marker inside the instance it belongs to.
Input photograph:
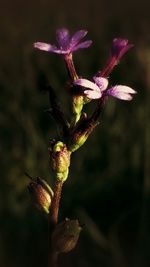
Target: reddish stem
(70, 67)
(53, 215)
(112, 62)
(53, 219)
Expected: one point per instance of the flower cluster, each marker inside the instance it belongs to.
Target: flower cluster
(94, 90)
(82, 90)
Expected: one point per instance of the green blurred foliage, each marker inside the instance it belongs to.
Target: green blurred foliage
(109, 184)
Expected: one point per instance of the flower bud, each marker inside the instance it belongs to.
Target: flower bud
(60, 159)
(120, 47)
(41, 194)
(77, 105)
(66, 235)
(80, 134)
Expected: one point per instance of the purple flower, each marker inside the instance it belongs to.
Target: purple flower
(120, 47)
(98, 88)
(66, 43)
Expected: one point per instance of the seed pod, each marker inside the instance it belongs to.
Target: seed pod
(65, 236)
(41, 194)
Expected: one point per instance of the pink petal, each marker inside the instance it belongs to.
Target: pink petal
(45, 47)
(121, 92)
(87, 84)
(101, 82)
(123, 96)
(124, 89)
(92, 94)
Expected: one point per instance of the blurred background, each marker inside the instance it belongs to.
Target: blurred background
(109, 185)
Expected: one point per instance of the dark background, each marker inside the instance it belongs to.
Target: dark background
(109, 184)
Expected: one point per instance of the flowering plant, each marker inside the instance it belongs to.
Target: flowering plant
(74, 133)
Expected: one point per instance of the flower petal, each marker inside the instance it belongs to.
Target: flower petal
(60, 51)
(92, 94)
(45, 47)
(123, 96)
(101, 82)
(63, 38)
(77, 37)
(124, 89)
(87, 84)
(85, 44)
(121, 92)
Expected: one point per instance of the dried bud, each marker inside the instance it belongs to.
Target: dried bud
(41, 194)
(60, 159)
(66, 235)
(81, 133)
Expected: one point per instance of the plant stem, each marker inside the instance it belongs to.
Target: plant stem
(77, 101)
(112, 62)
(70, 67)
(53, 219)
(52, 259)
(53, 215)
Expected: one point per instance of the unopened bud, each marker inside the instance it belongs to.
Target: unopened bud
(120, 47)
(41, 194)
(60, 160)
(66, 235)
(77, 104)
(80, 135)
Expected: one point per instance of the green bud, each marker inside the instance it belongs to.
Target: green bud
(77, 107)
(78, 141)
(80, 134)
(41, 194)
(60, 160)
(77, 104)
(58, 146)
(86, 100)
(65, 236)
(62, 176)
